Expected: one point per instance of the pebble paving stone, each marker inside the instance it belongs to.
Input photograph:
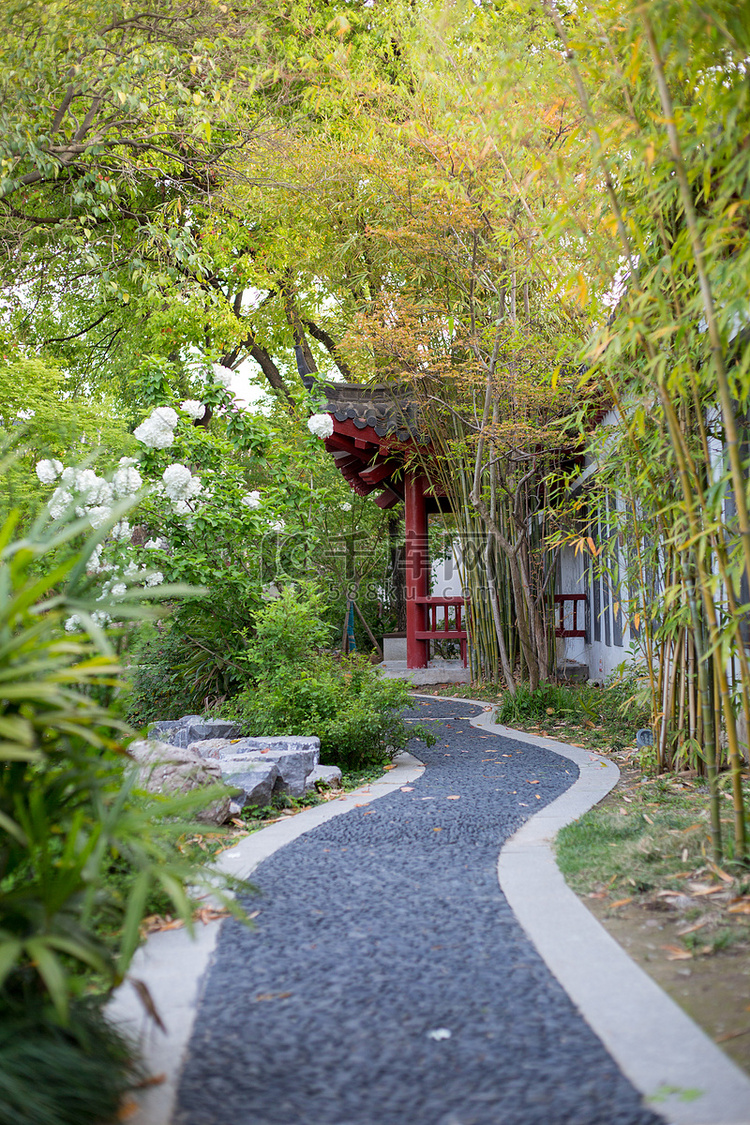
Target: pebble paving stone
(380, 932)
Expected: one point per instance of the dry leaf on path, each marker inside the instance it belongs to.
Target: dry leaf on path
(454, 797)
(620, 902)
(731, 1035)
(407, 788)
(674, 953)
(740, 906)
(693, 928)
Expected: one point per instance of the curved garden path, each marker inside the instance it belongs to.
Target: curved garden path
(387, 981)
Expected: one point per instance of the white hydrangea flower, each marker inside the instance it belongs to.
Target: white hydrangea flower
(48, 470)
(99, 515)
(157, 430)
(68, 477)
(321, 425)
(278, 525)
(177, 480)
(131, 569)
(159, 544)
(100, 618)
(126, 481)
(251, 500)
(73, 624)
(181, 508)
(346, 506)
(86, 480)
(223, 375)
(95, 558)
(127, 462)
(155, 578)
(193, 408)
(59, 503)
(121, 530)
(119, 590)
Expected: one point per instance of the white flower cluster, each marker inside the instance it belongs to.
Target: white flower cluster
(180, 486)
(193, 408)
(321, 425)
(251, 500)
(223, 375)
(157, 431)
(48, 471)
(89, 494)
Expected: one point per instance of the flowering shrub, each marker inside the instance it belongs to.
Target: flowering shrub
(157, 431)
(321, 425)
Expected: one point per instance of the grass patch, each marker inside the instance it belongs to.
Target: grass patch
(647, 845)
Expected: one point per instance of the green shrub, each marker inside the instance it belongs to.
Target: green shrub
(55, 1075)
(356, 713)
(297, 688)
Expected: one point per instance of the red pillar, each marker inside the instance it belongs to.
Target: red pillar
(416, 568)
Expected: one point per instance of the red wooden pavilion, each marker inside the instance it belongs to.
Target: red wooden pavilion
(378, 448)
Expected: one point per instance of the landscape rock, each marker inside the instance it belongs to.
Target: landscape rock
(295, 756)
(325, 775)
(169, 769)
(256, 779)
(211, 747)
(192, 728)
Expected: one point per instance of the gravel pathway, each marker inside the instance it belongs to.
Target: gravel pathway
(387, 981)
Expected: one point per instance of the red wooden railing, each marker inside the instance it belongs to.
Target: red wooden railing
(560, 600)
(448, 632)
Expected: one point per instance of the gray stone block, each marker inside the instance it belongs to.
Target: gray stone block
(211, 747)
(202, 729)
(169, 769)
(329, 776)
(192, 728)
(255, 779)
(295, 755)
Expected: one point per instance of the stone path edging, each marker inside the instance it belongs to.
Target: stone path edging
(173, 965)
(656, 1045)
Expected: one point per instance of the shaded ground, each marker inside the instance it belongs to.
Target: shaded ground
(387, 981)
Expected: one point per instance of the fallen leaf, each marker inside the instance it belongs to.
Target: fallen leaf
(273, 995)
(620, 902)
(127, 1110)
(722, 874)
(210, 914)
(648, 818)
(439, 1033)
(741, 907)
(437, 830)
(731, 1035)
(145, 997)
(151, 1080)
(675, 953)
(693, 928)
(532, 782)
(454, 797)
(696, 893)
(407, 788)
(391, 767)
